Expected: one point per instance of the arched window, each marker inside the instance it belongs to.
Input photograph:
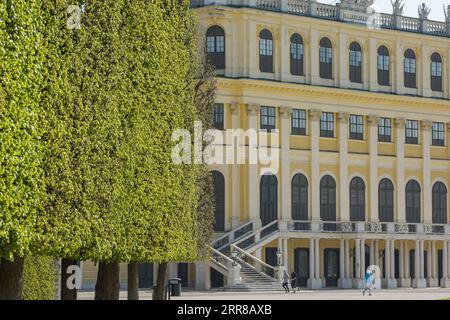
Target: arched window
(413, 202)
(357, 200)
(383, 66)
(296, 55)
(328, 199)
(386, 201)
(268, 199)
(436, 72)
(326, 59)
(440, 203)
(299, 198)
(215, 46)
(219, 197)
(355, 63)
(410, 69)
(265, 51)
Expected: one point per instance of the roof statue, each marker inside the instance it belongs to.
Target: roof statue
(424, 12)
(356, 5)
(397, 7)
(447, 13)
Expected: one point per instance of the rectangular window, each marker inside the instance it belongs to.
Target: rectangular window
(356, 127)
(412, 132)
(438, 134)
(410, 65)
(327, 125)
(298, 122)
(385, 130)
(267, 118)
(325, 55)
(383, 63)
(215, 44)
(355, 58)
(436, 69)
(265, 47)
(297, 51)
(218, 116)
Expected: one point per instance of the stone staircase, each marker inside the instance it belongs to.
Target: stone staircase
(252, 281)
(231, 256)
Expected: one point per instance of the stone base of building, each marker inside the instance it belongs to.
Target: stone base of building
(432, 283)
(345, 283)
(419, 283)
(358, 283)
(445, 283)
(389, 284)
(404, 283)
(202, 280)
(314, 284)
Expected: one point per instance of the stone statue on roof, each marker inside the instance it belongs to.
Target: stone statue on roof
(447, 13)
(424, 12)
(397, 7)
(356, 5)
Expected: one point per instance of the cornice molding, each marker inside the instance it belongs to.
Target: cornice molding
(333, 93)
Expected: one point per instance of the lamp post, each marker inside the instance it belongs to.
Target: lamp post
(234, 256)
(279, 255)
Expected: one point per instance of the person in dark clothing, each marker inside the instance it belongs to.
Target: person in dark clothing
(293, 281)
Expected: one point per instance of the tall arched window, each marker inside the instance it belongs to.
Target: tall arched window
(357, 199)
(268, 199)
(215, 46)
(299, 198)
(383, 66)
(296, 55)
(436, 72)
(413, 202)
(410, 69)
(386, 201)
(328, 199)
(265, 51)
(440, 215)
(326, 59)
(219, 197)
(355, 63)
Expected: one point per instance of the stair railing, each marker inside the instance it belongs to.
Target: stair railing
(224, 241)
(259, 266)
(258, 235)
(230, 268)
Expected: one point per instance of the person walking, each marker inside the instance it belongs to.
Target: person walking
(368, 282)
(286, 282)
(293, 281)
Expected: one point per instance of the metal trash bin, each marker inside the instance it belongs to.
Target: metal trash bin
(175, 287)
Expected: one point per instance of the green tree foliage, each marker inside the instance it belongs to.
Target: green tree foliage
(86, 117)
(117, 88)
(39, 278)
(21, 76)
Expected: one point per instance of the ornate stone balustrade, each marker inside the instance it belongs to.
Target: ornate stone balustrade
(368, 227)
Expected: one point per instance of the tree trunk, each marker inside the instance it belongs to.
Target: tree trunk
(160, 290)
(108, 285)
(11, 279)
(133, 281)
(66, 293)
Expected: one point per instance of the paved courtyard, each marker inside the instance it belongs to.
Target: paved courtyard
(398, 294)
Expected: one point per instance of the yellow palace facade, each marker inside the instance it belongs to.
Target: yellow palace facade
(360, 101)
(361, 104)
